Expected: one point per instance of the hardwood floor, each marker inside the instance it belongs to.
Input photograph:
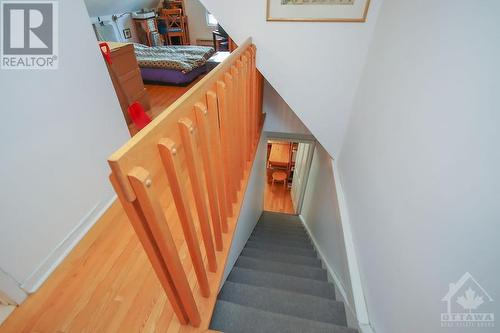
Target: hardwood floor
(278, 199)
(107, 284)
(161, 97)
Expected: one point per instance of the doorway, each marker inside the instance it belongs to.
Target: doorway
(287, 168)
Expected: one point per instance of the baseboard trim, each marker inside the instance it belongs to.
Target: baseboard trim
(10, 291)
(352, 261)
(53, 260)
(338, 282)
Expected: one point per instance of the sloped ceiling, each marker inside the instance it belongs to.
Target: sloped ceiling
(316, 67)
(108, 7)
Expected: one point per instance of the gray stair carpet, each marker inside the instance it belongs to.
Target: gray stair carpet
(278, 284)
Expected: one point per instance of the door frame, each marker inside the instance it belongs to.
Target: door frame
(300, 138)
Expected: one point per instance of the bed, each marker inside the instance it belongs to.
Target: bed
(175, 65)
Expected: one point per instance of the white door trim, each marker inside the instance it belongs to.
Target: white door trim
(300, 138)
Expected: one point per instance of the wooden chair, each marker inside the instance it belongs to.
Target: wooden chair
(279, 177)
(176, 26)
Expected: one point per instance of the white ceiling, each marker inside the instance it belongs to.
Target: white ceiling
(108, 7)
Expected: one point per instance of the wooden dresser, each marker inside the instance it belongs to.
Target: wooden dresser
(126, 77)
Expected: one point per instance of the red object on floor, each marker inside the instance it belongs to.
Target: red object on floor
(138, 115)
(106, 52)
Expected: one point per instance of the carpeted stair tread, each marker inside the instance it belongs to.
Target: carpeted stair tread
(234, 318)
(302, 245)
(281, 249)
(280, 230)
(281, 257)
(277, 232)
(278, 217)
(285, 302)
(282, 268)
(288, 225)
(294, 226)
(282, 282)
(279, 237)
(278, 284)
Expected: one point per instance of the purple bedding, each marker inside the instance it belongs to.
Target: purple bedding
(171, 76)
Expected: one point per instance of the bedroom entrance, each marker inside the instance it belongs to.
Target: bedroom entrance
(287, 169)
(155, 55)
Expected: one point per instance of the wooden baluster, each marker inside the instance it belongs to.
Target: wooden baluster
(254, 92)
(250, 99)
(242, 67)
(241, 102)
(215, 142)
(190, 136)
(151, 228)
(235, 124)
(238, 123)
(169, 157)
(193, 166)
(259, 86)
(248, 116)
(228, 139)
(244, 62)
(208, 152)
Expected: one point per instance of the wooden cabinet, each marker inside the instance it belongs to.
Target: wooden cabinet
(126, 77)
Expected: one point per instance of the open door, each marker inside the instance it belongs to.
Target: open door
(300, 174)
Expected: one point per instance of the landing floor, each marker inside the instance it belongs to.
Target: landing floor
(278, 199)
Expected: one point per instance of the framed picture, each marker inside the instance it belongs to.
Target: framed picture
(317, 10)
(127, 33)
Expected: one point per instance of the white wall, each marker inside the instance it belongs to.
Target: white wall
(252, 206)
(421, 160)
(57, 129)
(315, 67)
(198, 27)
(321, 215)
(279, 116)
(109, 7)
(124, 21)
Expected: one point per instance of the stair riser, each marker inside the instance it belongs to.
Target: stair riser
(292, 226)
(282, 218)
(278, 237)
(273, 267)
(282, 249)
(280, 232)
(307, 246)
(280, 257)
(282, 282)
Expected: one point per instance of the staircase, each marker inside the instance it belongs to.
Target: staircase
(278, 284)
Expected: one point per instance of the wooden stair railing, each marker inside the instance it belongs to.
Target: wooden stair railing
(181, 181)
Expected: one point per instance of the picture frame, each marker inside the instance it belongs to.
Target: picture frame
(127, 34)
(317, 10)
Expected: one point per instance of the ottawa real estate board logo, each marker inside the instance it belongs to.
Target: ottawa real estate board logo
(468, 305)
(29, 36)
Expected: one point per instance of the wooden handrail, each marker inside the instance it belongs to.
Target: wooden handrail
(181, 181)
